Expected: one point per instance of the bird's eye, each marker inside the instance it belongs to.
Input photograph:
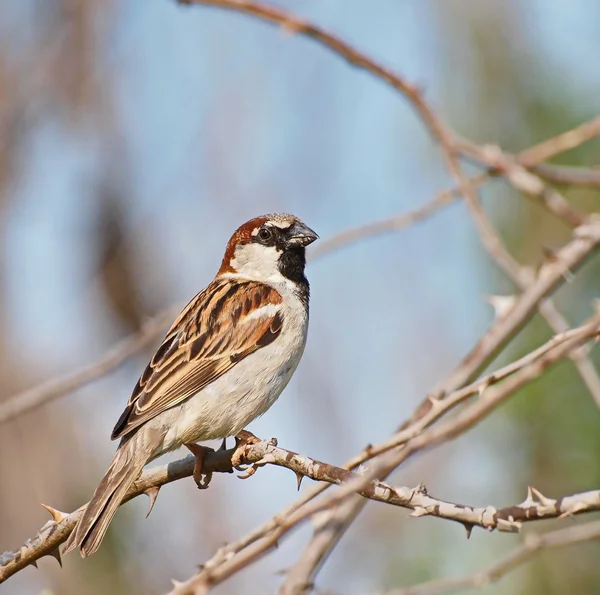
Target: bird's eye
(264, 234)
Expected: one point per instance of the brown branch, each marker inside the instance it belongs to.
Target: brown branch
(566, 174)
(509, 519)
(513, 170)
(561, 143)
(523, 277)
(533, 544)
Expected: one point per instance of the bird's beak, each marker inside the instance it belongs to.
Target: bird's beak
(301, 235)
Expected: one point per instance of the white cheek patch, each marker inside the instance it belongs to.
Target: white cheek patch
(256, 261)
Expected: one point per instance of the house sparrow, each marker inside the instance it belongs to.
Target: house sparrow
(224, 362)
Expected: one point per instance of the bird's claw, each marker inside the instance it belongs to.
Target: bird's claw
(202, 478)
(249, 471)
(242, 441)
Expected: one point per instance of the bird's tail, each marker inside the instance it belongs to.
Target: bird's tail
(126, 467)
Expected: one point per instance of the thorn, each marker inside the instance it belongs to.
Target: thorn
(434, 400)
(223, 445)
(469, 528)
(421, 489)
(529, 500)
(57, 515)
(540, 497)
(419, 511)
(501, 303)
(33, 563)
(152, 494)
(55, 553)
(176, 583)
(299, 477)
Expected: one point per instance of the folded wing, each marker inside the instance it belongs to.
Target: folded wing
(222, 325)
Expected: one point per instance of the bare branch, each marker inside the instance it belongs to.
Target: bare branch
(533, 544)
(566, 174)
(524, 181)
(571, 139)
(56, 531)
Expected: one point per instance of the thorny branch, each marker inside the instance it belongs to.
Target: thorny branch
(535, 507)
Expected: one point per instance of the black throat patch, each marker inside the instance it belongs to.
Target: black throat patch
(291, 265)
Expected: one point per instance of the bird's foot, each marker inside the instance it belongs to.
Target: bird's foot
(242, 441)
(201, 478)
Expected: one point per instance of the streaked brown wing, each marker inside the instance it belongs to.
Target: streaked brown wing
(221, 326)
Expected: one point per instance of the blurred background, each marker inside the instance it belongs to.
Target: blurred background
(136, 135)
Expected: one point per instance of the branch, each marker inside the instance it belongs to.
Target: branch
(567, 174)
(57, 530)
(571, 139)
(509, 519)
(512, 168)
(533, 544)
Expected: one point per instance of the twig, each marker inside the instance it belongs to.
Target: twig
(533, 544)
(523, 277)
(524, 181)
(389, 224)
(571, 139)
(566, 174)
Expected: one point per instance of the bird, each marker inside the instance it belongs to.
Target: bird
(223, 363)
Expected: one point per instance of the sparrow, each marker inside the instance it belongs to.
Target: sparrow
(223, 363)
